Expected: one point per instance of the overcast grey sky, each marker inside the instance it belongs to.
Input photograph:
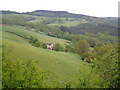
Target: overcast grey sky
(99, 8)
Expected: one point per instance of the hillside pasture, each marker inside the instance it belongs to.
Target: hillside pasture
(28, 32)
(66, 68)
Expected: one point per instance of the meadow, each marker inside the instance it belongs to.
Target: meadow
(84, 55)
(28, 32)
(66, 68)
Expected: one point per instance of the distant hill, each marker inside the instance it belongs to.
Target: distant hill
(75, 23)
(8, 12)
(93, 28)
(45, 11)
(48, 13)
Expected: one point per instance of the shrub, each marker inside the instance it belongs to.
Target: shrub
(107, 64)
(69, 48)
(18, 74)
(58, 47)
(32, 40)
(82, 47)
(88, 57)
(37, 44)
(44, 45)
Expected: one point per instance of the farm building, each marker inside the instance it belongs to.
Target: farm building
(50, 46)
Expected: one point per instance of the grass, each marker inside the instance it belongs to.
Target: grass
(64, 66)
(64, 22)
(48, 60)
(71, 23)
(26, 32)
(51, 61)
(67, 23)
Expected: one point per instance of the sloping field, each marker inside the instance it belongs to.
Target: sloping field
(27, 32)
(63, 66)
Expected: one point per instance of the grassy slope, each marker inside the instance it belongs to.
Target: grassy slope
(65, 23)
(48, 60)
(64, 66)
(26, 32)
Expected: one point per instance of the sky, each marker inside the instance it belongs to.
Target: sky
(98, 8)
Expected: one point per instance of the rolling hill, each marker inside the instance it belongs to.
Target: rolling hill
(48, 13)
(63, 66)
(27, 66)
(75, 23)
(28, 32)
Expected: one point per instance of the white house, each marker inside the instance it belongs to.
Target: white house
(50, 46)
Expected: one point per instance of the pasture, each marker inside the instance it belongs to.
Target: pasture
(64, 67)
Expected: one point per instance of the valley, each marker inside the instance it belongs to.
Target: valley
(84, 55)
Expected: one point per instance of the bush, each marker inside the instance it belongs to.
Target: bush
(19, 74)
(107, 64)
(37, 44)
(82, 47)
(44, 45)
(93, 42)
(32, 40)
(88, 57)
(58, 47)
(69, 48)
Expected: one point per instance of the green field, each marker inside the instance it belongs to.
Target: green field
(63, 66)
(58, 21)
(84, 53)
(29, 32)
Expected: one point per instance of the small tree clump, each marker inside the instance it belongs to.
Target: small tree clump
(58, 47)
